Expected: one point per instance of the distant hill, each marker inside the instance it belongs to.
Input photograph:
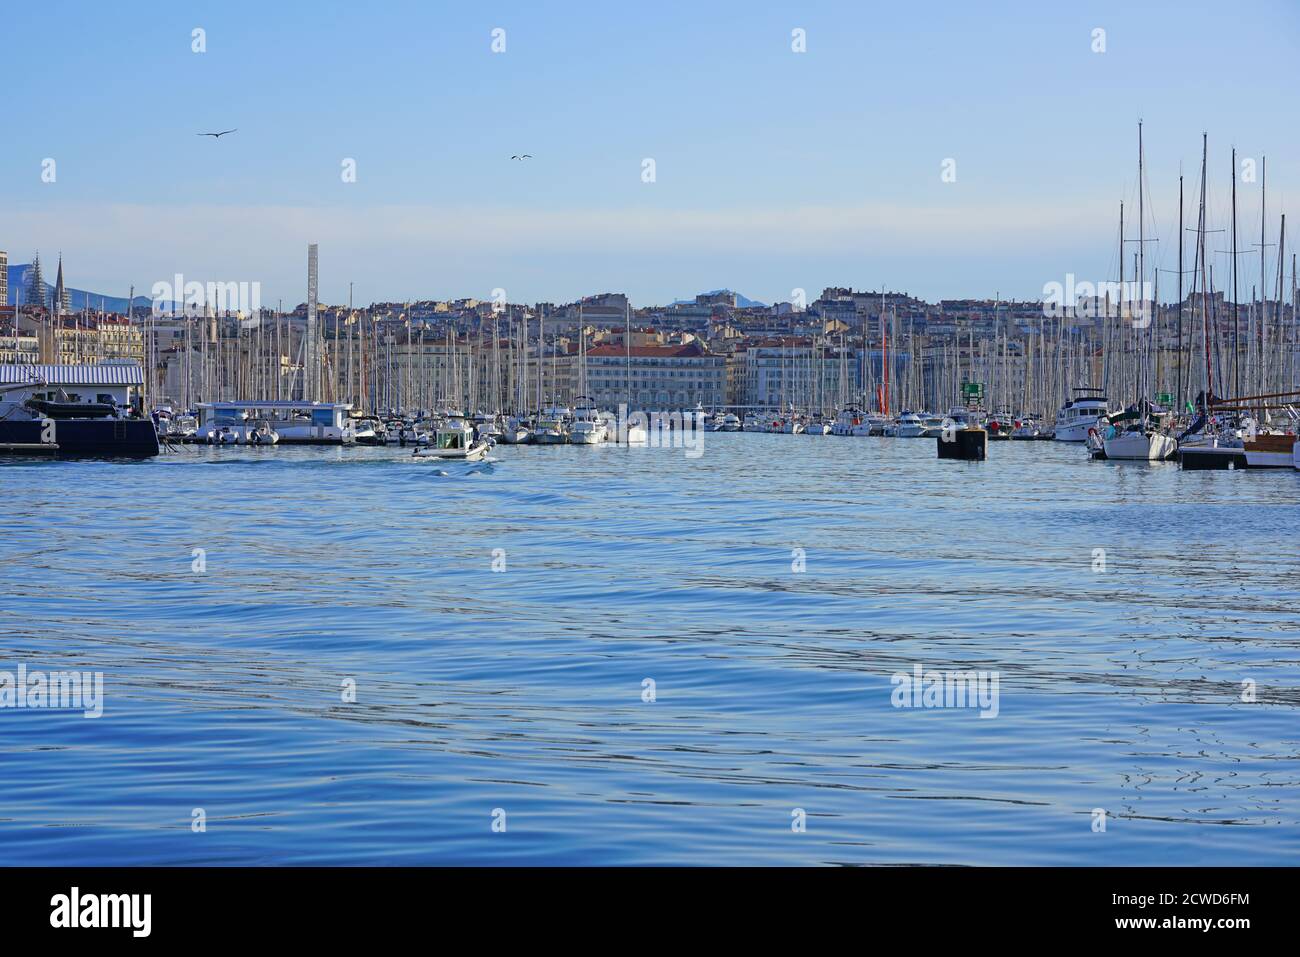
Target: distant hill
(741, 301)
(80, 298)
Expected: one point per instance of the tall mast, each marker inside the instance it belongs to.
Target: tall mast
(1263, 185)
(1200, 239)
(1179, 393)
(1236, 371)
(1122, 296)
(1140, 373)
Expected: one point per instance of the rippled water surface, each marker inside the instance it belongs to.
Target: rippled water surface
(522, 690)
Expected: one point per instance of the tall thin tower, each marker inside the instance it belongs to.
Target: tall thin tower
(61, 304)
(311, 364)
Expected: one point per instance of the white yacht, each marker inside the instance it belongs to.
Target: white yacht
(1080, 414)
(933, 424)
(726, 423)
(588, 426)
(910, 426)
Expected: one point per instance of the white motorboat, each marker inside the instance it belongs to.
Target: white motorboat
(367, 432)
(816, 424)
(726, 423)
(870, 424)
(1026, 427)
(933, 424)
(552, 427)
(959, 417)
(588, 427)
(454, 440)
(1080, 414)
(793, 424)
(846, 421)
(755, 422)
(910, 426)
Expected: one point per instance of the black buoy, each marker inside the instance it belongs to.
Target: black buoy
(968, 445)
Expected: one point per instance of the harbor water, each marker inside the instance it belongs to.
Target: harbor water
(611, 655)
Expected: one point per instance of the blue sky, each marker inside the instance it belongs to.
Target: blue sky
(774, 170)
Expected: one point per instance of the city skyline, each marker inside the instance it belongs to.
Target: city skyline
(774, 169)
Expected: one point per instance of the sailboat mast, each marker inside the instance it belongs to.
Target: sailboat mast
(1200, 239)
(1179, 393)
(1236, 371)
(1141, 372)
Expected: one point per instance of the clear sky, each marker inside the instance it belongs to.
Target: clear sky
(774, 170)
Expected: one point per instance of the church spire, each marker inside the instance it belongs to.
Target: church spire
(62, 302)
(34, 295)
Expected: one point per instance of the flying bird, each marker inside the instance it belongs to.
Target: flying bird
(524, 156)
(217, 136)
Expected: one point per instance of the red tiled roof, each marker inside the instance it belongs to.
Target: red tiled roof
(690, 350)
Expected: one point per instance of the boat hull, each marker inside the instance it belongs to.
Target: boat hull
(1073, 433)
(125, 438)
(1207, 458)
(474, 453)
(1140, 447)
(1271, 451)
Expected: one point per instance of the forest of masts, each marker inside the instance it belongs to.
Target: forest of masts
(1207, 341)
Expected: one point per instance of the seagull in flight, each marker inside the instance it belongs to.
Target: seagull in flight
(523, 156)
(217, 136)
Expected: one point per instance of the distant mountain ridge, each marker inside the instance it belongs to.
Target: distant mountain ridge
(80, 298)
(742, 301)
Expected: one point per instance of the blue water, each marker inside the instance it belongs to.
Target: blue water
(521, 690)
